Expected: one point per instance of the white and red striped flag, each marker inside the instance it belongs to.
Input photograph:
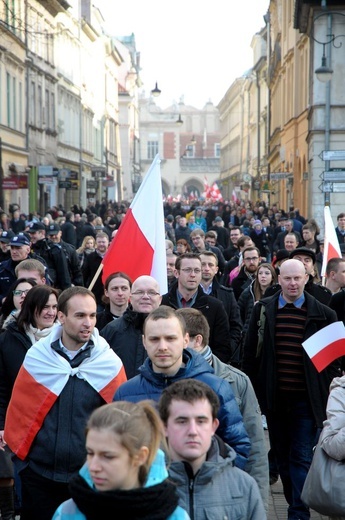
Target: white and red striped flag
(207, 189)
(326, 345)
(215, 192)
(138, 247)
(331, 247)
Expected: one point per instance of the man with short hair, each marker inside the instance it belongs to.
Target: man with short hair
(165, 340)
(291, 241)
(64, 377)
(335, 275)
(117, 292)
(232, 249)
(125, 334)
(68, 230)
(170, 262)
(291, 392)
(279, 242)
(55, 235)
(182, 230)
(247, 273)
(52, 254)
(257, 465)
(222, 232)
(5, 239)
(197, 237)
(31, 268)
(201, 464)
(340, 228)
(91, 265)
(211, 286)
(186, 292)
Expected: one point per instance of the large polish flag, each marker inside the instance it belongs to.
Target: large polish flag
(331, 247)
(326, 345)
(138, 247)
(42, 377)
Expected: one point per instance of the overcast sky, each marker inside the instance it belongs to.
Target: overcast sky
(193, 49)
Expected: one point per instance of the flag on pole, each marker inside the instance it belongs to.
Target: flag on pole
(207, 189)
(138, 247)
(331, 247)
(215, 192)
(326, 345)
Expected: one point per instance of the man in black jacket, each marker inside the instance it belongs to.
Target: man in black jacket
(91, 265)
(52, 254)
(186, 292)
(68, 230)
(55, 235)
(211, 286)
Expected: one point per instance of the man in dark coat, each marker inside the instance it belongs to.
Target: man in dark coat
(91, 265)
(124, 335)
(55, 235)
(68, 230)
(186, 292)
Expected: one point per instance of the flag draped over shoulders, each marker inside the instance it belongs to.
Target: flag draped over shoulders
(43, 376)
(138, 247)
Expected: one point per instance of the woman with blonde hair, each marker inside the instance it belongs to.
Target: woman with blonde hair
(88, 246)
(125, 468)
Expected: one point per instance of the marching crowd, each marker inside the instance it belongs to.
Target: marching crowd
(114, 395)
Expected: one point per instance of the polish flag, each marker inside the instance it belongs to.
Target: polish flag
(138, 247)
(331, 247)
(326, 345)
(207, 189)
(41, 379)
(215, 192)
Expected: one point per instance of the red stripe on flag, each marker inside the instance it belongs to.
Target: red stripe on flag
(129, 251)
(109, 390)
(328, 354)
(24, 419)
(332, 252)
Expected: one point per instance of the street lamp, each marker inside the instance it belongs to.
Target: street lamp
(156, 91)
(325, 71)
(179, 121)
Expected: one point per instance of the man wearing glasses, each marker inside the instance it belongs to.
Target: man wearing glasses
(251, 260)
(187, 292)
(124, 335)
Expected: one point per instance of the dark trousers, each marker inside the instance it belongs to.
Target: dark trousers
(293, 435)
(40, 496)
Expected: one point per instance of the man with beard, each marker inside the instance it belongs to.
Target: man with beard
(251, 260)
(124, 335)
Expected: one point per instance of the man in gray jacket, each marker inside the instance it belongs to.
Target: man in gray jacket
(207, 482)
(257, 464)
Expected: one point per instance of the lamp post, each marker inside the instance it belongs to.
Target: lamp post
(324, 72)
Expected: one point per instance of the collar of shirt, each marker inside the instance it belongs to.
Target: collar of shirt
(72, 353)
(342, 231)
(207, 290)
(189, 303)
(297, 303)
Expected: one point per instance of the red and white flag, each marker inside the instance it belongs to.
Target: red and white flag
(138, 247)
(207, 189)
(331, 247)
(215, 192)
(41, 379)
(326, 345)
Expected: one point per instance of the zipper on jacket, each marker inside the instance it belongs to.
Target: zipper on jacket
(191, 503)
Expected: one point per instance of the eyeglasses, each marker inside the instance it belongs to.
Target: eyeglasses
(252, 259)
(190, 270)
(18, 292)
(151, 293)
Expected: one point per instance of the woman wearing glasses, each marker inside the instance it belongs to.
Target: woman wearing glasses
(14, 300)
(35, 320)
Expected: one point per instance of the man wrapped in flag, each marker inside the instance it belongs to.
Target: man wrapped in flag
(292, 393)
(64, 377)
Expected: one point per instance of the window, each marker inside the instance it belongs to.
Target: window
(39, 106)
(47, 109)
(32, 106)
(190, 151)
(8, 98)
(52, 111)
(217, 150)
(20, 95)
(152, 149)
(14, 103)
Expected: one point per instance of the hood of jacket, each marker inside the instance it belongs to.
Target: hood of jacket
(336, 382)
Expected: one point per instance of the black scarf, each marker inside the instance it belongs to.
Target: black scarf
(151, 503)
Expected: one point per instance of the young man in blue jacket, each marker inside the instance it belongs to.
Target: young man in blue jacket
(165, 340)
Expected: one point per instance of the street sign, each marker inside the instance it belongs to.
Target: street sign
(327, 187)
(334, 176)
(339, 187)
(332, 155)
(276, 176)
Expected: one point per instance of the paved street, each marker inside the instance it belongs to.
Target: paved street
(278, 505)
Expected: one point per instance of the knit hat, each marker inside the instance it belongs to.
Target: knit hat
(257, 223)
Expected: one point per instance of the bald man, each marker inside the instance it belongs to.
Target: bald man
(291, 392)
(125, 334)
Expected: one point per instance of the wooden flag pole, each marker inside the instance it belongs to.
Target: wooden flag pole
(98, 272)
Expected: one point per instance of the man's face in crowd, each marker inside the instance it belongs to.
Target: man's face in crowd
(290, 242)
(307, 261)
(19, 253)
(235, 235)
(292, 279)
(341, 223)
(164, 342)
(171, 260)
(118, 291)
(251, 260)
(102, 244)
(145, 295)
(209, 267)
(189, 275)
(35, 236)
(198, 241)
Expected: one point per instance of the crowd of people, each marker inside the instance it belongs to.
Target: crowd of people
(114, 395)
